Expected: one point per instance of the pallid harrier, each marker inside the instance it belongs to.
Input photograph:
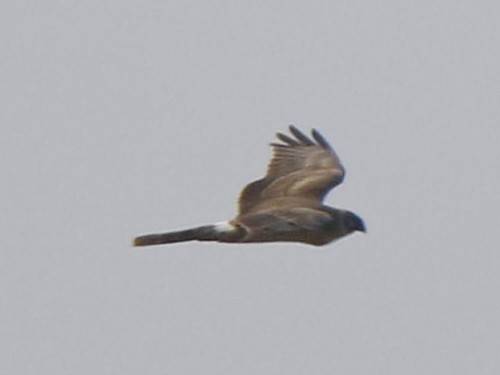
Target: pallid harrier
(285, 205)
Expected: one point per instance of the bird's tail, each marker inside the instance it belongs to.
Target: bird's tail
(222, 232)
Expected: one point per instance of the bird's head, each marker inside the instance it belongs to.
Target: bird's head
(353, 222)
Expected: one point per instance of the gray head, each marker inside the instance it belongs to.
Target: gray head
(353, 222)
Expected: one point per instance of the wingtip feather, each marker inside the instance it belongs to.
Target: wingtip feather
(286, 139)
(320, 139)
(304, 139)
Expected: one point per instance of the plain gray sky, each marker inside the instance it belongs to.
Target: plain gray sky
(125, 117)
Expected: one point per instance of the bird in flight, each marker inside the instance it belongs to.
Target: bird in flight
(286, 205)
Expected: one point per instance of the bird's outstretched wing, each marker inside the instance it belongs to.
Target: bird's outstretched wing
(301, 167)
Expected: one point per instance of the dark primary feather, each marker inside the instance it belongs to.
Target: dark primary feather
(321, 141)
(301, 137)
(287, 139)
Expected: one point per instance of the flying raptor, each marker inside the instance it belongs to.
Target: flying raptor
(285, 205)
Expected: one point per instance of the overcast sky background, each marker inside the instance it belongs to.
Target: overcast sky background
(125, 117)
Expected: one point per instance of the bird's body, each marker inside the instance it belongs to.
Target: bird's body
(286, 205)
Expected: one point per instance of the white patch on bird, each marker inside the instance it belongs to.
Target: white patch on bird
(223, 227)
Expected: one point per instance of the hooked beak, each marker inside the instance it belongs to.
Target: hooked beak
(361, 227)
(358, 224)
